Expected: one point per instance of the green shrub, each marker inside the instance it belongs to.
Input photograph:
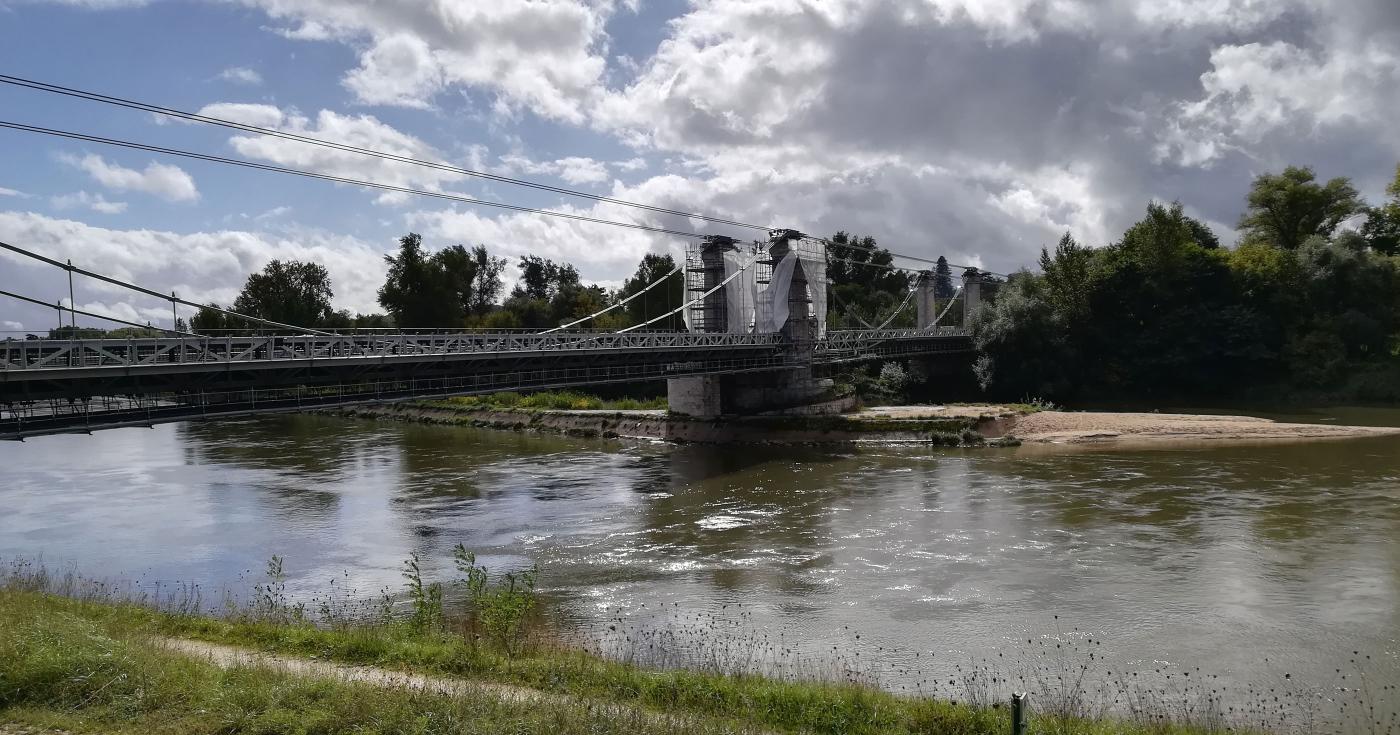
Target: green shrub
(501, 609)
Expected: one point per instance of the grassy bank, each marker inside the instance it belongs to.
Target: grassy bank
(561, 400)
(84, 660)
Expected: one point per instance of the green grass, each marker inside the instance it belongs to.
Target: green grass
(81, 666)
(70, 662)
(553, 400)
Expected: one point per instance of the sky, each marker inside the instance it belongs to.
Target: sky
(978, 130)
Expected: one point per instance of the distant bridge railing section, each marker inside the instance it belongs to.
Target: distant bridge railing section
(44, 353)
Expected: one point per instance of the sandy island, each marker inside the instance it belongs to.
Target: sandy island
(1065, 427)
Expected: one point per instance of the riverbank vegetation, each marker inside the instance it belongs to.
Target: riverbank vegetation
(87, 655)
(1300, 307)
(562, 400)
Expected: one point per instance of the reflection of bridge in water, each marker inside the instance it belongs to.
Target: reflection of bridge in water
(757, 341)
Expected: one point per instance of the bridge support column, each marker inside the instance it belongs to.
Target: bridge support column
(972, 295)
(698, 395)
(926, 299)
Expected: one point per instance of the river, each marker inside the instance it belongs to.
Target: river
(909, 564)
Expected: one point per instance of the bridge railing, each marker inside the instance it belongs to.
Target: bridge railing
(43, 353)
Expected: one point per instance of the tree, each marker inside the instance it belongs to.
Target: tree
(1382, 227)
(660, 299)
(1067, 277)
(1286, 209)
(291, 292)
(486, 287)
(861, 282)
(210, 321)
(943, 279)
(442, 289)
(541, 278)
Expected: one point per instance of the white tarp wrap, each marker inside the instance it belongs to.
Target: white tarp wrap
(814, 266)
(738, 294)
(771, 309)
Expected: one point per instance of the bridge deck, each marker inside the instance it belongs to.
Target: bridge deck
(50, 386)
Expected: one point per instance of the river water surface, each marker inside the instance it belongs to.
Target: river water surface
(1245, 561)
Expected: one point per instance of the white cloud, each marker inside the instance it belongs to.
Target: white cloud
(11, 192)
(572, 170)
(200, 266)
(12, 326)
(165, 181)
(273, 213)
(541, 55)
(241, 75)
(95, 202)
(263, 116)
(364, 131)
(1256, 89)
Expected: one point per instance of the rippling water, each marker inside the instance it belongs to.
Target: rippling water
(1217, 557)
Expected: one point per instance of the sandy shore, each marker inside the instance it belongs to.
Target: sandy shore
(1077, 428)
(1084, 427)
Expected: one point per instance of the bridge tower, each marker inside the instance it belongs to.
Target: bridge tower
(789, 388)
(972, 295)
(926, 299)
(705, 271)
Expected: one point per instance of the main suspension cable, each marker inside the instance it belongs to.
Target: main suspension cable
(164, 297)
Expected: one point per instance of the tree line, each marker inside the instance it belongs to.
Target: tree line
(1302, 303)
(455, 287)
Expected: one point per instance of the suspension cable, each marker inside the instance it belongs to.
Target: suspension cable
(336, 179)
(384, 155)
(699, 298)
(673, 272)
(164, 297)
(73, 310)
(272, 132)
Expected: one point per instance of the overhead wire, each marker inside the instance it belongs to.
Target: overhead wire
(695, 300)
(437, 165)
(61, 308)
(245, 127)
(623, 302)
(164, 297)
(337, 179)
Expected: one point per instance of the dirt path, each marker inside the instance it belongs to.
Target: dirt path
(225, 656)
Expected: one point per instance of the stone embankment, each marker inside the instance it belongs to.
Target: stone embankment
(952, 425)
(962, 425)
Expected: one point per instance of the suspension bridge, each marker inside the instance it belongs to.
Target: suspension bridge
(756, 337)
(715, 367)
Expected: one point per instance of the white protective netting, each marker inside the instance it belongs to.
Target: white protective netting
(814, 266)
(771, 306)
(739, 293)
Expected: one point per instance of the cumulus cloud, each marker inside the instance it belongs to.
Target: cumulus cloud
(1256, 89)
(241, 75)
(979, 129)
(200, 266)
(82, 199)
(364, 131)
(572, 170)
(165, 181)
(10, 192)
(541, 55)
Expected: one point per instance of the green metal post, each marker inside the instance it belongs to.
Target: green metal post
(1018, 713)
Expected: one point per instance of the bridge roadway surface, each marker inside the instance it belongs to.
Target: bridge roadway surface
(58, 386)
